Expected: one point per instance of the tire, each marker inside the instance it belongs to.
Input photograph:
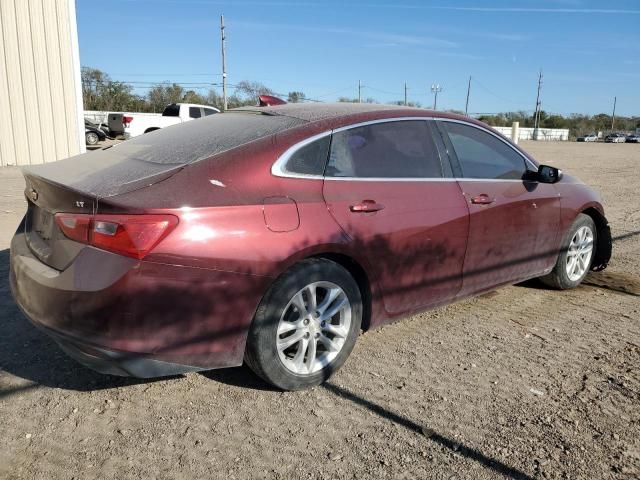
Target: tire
(567, 275)
(320, 338)
(91, 138)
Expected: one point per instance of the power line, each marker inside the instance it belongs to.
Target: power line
(167, 74)
(476, 82)
(335, 91)
(381, 91)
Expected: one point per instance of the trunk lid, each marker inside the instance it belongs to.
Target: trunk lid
(78, 184)
(75, 185)
(44, 237)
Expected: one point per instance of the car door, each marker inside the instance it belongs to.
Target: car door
(514, 222)
(387, 187)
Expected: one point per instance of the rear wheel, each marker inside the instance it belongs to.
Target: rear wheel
(306, 326)
(576, 256)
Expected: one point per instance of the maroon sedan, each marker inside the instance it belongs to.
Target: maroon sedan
(274, 235)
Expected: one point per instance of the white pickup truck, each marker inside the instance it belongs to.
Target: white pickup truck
(138, 123)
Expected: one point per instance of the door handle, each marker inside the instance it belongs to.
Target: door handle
(366, 206)
(482, 199)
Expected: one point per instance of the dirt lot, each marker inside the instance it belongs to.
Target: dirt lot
(523, 382)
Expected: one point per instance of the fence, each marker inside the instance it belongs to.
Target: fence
(548, 134)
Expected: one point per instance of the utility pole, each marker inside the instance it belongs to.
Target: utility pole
(359, 92)
(613, 116)
(224, 65)
(538, 103)
(435, 89)
(405, 94)
(466, 105)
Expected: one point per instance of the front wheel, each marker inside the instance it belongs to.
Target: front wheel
(574, 260)
(306, 325)
(91, 138)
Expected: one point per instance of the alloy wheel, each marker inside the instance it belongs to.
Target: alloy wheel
(92, 138)
(579, 253)
(313, 328)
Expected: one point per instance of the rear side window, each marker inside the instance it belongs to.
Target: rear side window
(482, 155)
(402, 149)
(195, 112)
(310, 159)
(172, 110)
(209, 111)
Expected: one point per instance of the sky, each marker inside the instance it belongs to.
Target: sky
(589, 51)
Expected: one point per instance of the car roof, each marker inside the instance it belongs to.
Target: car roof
(313, 112)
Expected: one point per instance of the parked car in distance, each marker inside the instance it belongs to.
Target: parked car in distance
(175, 113)
(615, 138)
(93, 133)
(274, 235)
(633, 138)
(592, 137)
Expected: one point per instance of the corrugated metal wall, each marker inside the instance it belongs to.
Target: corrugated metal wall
(41, 117)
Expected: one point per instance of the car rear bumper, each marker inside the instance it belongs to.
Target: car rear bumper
(127, 317)
(124, 364)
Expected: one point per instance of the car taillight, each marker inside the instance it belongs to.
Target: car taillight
(126, 120)
(131, 235)
(75, 227)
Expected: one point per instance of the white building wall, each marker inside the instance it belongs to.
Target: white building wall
(41, 116)
(557, 134)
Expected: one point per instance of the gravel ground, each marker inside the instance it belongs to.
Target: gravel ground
(522, 382)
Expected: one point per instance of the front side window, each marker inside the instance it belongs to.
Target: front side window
(401, 149)
(195, 112)
(482, 155)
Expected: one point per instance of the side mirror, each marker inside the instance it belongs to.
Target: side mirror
(547, 174)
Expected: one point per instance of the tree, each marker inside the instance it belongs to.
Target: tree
(99, 92)
(214, 99)
(601, 122)
(295, 97)
(162, 95)
(555, 121)
(355, 100)
(409, 104)
(251, 90)
(193, 97)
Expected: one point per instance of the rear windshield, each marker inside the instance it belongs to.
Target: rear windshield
(193, 141)
(127, 165)
(172, 110)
